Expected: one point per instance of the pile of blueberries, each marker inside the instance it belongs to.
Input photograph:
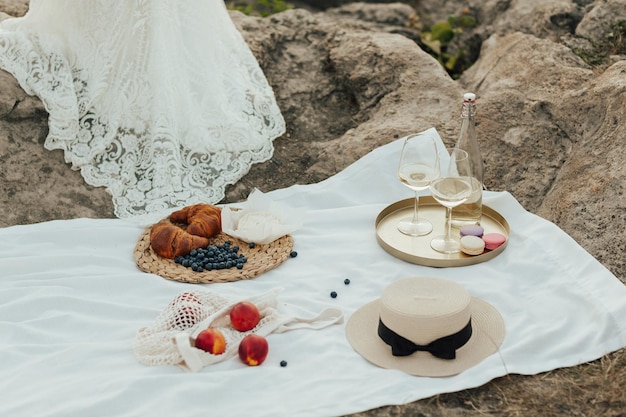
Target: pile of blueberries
(213, 257)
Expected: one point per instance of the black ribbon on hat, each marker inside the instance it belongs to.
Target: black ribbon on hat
(444, 347)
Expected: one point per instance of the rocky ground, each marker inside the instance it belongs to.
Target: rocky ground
(550, 76)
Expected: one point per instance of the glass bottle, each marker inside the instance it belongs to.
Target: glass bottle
(470, 212)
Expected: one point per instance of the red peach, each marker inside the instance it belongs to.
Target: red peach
(244, 316)
(211, 340)
(188, 310)
(186, 297)
(253, 349)
(186, 317)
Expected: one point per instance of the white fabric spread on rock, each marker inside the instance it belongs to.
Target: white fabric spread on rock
(160, 101)
(72, 301)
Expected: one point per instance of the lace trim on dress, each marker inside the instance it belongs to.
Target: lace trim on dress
(164, 106)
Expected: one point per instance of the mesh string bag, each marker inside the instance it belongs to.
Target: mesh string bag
(169, 339)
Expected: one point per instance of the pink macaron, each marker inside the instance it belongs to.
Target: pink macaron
(493, 240)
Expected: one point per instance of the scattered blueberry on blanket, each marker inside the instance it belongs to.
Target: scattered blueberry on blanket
(346, 281)
(283, 363)
(213, 257)
(293, 254)
(333, 294)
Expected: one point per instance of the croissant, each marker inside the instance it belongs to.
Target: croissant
(169, 241)
(202, 219)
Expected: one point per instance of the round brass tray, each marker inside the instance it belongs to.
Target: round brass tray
(417, 250)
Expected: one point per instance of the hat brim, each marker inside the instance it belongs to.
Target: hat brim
(487, 335)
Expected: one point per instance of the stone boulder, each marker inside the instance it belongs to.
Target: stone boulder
(553, 134)
(13, 7)
(597, 24)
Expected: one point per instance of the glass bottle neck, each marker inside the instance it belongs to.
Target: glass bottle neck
(468, 111)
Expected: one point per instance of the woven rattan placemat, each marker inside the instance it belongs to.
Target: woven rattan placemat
(261, 258)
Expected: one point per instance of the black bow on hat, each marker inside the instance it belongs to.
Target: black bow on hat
(444, 347)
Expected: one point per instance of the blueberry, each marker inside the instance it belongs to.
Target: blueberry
(283, 363)
(251, 245)
(293, 254)
(193, 252)
(235, 248)
(346, 281)
(333, 294)
(239, 266)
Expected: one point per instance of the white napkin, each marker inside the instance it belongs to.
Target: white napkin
(261, 220)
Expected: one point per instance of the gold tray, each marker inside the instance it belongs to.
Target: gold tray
(417, 250)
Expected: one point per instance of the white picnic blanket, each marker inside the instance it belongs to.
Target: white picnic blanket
(72, 301)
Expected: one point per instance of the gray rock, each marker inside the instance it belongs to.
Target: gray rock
(588, 199)
(553, 134)
(13, 7)
(519, 81)
(598, 22)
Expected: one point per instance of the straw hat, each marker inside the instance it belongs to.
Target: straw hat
(419, 311)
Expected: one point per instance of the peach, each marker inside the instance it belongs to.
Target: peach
(188, 297)
(188, 310)
(211, 340)
(244, 316)
(253, 349)
(186, 317)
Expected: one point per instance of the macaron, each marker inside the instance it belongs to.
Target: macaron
(493, 240)
(472, 230)
(472, 245)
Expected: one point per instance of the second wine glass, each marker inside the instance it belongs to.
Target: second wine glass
(451, 189)
(418, 167)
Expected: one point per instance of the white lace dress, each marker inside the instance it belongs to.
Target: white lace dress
(159, 101)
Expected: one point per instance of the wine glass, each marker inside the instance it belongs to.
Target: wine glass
(451, 189)
(419, 165)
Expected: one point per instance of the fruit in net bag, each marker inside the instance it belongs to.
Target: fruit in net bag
(244, 316)
(253, 349)
(186, 317)
(187, 311)
(211, 340)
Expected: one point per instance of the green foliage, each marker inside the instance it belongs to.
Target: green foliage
(440, 41)
(464, 20)
(617, 38)
(261, 8)
(615, 44)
